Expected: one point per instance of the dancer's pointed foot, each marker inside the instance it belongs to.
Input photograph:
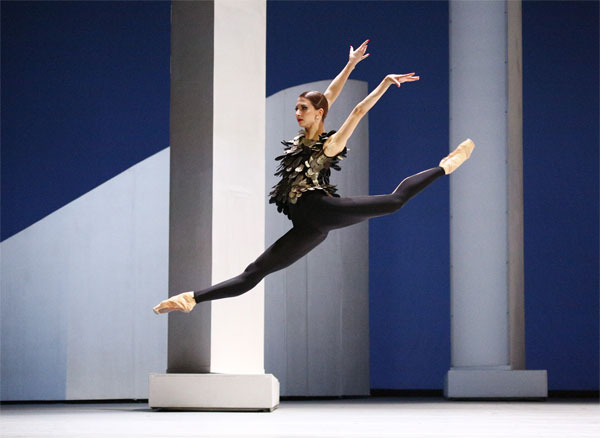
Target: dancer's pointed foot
(184, 302)
(457, 156)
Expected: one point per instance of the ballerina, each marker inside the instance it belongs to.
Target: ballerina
(304, 193)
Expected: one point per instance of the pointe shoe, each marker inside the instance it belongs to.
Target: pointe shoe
(183, 302)
(457, 156)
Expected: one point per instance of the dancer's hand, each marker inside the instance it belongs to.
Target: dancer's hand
(399, 79)
(355, 56)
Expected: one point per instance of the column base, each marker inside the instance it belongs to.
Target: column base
(211, 392)
(495, 384)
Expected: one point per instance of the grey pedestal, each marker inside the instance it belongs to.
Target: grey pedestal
(236, 392)
(496, 384)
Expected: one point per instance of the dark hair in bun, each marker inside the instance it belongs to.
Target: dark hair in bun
(318, 100)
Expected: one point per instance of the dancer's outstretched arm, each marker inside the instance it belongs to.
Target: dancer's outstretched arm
(354, 57)
(336, 143)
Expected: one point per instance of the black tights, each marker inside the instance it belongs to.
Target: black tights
(314, 216)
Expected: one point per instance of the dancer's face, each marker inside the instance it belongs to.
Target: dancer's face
(306, 114)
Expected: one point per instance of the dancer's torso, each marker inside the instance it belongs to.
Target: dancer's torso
(304, 168)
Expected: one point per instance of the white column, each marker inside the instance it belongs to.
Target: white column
(216, 354)
(486, 207)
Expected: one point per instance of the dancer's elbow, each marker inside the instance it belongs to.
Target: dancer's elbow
(359, 110)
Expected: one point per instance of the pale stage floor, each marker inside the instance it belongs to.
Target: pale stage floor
(362, 417)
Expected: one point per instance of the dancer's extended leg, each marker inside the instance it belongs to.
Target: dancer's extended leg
(290, 247)
(332, 213)
(296, 243)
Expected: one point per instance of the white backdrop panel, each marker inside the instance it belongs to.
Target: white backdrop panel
(317, 310)
(78, 288)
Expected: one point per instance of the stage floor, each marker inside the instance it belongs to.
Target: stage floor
(362, 417)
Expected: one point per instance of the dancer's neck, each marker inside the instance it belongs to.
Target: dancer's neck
(314, 132)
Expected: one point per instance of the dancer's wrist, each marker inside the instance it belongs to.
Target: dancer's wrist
(385, 83)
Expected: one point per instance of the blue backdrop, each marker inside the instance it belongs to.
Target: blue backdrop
(85, 95)
(560, 134)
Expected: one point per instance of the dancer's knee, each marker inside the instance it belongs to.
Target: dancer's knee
(241, 284)
(251, 275)
(396, 201)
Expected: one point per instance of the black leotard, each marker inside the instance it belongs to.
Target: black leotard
(310, 201)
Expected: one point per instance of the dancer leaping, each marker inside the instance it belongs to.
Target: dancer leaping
(304, 193)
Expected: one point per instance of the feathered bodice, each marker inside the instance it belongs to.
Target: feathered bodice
(304, 166)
